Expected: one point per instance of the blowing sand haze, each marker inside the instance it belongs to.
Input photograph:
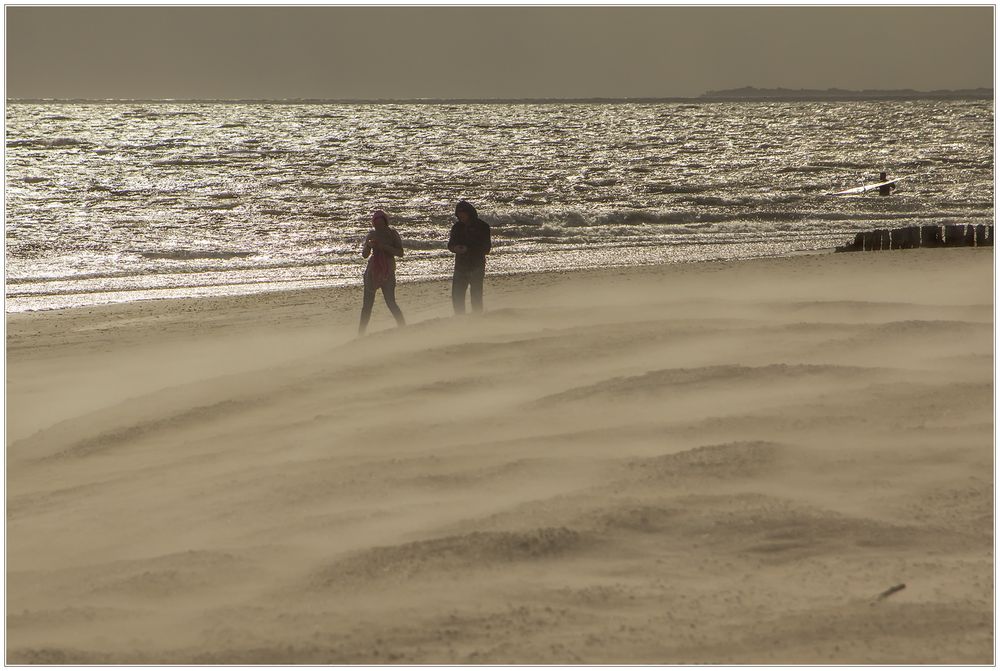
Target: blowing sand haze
(722, 462)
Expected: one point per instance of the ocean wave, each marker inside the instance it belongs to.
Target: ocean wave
(158, 114)
(876, 217)
(743, 201)
(409, 243)
(804, 169)
(171, 143)
(985, 205)
(189, 162)
(574, 223)
(569, 219)
(193, 254)
(842, 164)
(322, 184)
(608, 181)
(534, 231)
(223, 206)
(676, 188)
(952, 160)
(48, 143)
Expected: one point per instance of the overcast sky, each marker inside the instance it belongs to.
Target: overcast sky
(487, 52)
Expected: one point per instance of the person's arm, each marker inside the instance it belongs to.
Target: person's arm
(366, 247)
(397, 245)
(454, 246)
(489, 239)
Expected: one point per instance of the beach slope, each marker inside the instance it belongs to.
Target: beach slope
(702, 463)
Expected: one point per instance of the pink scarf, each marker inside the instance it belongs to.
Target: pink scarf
(379, 268)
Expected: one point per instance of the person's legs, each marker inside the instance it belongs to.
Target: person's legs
(366, 307)
(389, 294)
(476, 278)
(459, 283)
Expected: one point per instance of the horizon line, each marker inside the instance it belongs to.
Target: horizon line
(742, 93)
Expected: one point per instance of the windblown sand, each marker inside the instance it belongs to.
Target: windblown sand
(719, 462)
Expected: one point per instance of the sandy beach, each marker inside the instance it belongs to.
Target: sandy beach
(722, 462)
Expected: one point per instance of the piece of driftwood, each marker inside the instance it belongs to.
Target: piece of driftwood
(889, 592)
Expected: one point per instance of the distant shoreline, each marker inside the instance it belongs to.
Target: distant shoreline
(752, 93)
(748, 94)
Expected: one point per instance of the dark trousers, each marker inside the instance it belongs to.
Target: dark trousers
(470, 278)
(389, 294)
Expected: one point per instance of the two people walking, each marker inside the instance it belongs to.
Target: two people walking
(469, 240)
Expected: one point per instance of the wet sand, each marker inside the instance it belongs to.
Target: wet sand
(703, 463)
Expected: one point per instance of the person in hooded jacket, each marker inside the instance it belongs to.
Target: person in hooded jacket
(381, 247)
(470, 242)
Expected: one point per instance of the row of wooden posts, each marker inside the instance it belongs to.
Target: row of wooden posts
(911, 237)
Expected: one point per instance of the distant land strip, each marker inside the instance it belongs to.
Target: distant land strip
(745, 94)
(752, 93)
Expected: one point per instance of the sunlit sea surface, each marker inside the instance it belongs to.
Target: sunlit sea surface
(127, 201)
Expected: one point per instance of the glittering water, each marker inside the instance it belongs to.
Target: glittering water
(112, 202)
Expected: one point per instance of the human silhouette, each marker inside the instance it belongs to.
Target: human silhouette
(470, 242)
(885, 189)
(381, 247)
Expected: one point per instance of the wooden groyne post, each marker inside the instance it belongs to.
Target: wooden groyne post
(912, 237)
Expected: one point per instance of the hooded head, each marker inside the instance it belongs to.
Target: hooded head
(466, 206)
(379, 214)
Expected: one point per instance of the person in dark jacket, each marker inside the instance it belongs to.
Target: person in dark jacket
(470, 243)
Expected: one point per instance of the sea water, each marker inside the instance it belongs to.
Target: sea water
(120, 201)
